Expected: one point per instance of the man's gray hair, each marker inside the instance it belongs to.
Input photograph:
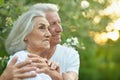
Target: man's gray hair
(21, 28)
(45, 7)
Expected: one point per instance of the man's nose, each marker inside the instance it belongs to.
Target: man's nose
(59, 28)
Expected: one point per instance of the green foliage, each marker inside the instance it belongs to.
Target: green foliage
(98, 62)
(3, 62)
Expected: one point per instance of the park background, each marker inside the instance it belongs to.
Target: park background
(92, 27)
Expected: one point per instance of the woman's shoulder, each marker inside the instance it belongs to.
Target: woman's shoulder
(22, 55)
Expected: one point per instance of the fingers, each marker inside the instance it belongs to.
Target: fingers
(53, 65)
(26, 75)
(37, 60)
(13, 61)
(39, 65)
(49, 62)
(43, 70)
(23, 63)
(32, 55)
(26, 69)
(25, 72)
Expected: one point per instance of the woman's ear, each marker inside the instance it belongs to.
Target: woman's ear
(25, 39)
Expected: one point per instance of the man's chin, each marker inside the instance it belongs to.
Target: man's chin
(55, 43)
(58, 41)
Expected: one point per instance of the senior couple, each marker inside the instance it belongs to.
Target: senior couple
(35, 50)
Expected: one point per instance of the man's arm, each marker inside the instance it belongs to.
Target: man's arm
(70, 76)
(72, 65)
(54, 75)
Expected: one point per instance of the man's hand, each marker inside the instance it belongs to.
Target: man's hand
(17, 71)
(46, 66)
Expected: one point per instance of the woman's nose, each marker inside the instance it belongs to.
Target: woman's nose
(47, 34)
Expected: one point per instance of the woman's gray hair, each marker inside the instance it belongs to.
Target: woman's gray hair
(21, 28)
(45, 7)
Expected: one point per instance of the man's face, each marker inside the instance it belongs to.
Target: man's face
(55, 27)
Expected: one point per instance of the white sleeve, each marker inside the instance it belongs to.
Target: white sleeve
(73, 61)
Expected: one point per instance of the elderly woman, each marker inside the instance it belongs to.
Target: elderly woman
(30, 35)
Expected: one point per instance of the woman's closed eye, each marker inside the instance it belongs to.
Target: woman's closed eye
(42, 26)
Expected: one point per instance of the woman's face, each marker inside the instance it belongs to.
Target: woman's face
(38, 39)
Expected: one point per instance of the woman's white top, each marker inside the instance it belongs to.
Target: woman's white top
(22, 56)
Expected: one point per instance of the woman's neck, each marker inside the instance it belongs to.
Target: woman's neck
(49, 53)
(37, 52)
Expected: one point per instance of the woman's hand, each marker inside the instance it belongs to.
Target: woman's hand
(53, 65)
(39, 62)
(43, 64)
(46, 66)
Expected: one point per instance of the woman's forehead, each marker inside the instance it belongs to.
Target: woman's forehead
(40, 20)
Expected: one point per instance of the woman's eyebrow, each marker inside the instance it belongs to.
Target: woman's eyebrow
(41, 24)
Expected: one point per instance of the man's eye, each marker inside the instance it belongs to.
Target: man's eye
(53, 23)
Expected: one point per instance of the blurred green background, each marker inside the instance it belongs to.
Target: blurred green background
(95, 24)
